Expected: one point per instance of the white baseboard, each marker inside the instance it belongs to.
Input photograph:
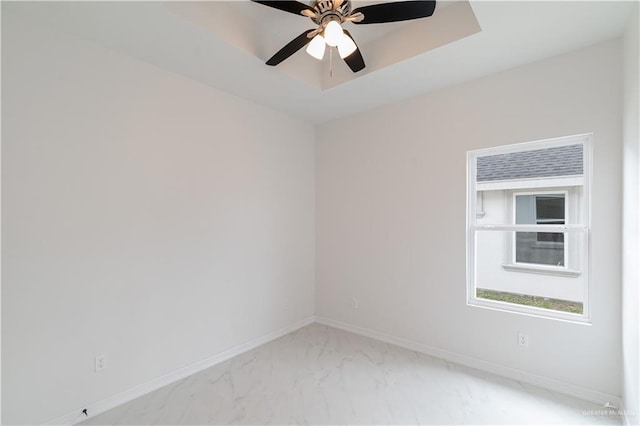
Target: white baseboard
(98, 407)
(501, 370)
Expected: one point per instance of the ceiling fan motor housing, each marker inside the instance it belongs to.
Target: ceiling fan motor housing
(327, 11)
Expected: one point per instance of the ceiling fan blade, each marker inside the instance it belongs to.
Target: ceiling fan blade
(396, 11)
(294, 7)
(355, 61)
(292, 47)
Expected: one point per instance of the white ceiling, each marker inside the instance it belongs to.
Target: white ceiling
(224, 45)
(261, 31)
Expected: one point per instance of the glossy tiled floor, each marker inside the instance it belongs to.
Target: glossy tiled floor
(320, 375)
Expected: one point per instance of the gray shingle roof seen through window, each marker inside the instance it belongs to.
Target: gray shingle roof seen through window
(548, 162)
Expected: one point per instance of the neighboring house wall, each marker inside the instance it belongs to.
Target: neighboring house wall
(391, 214)
(145, 216)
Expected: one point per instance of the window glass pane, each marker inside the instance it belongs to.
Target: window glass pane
(541, 209)
(531, 300)
(514, 193)
(540, 248)
(524, 284)
(525, 209)
(548, 162)
(491, 208)
(550, 209)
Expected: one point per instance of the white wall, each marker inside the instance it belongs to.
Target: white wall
(631, 222)
(391, 215)
(146, 217)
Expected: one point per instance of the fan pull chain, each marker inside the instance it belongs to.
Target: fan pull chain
(331, 62)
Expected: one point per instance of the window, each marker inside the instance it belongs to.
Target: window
(527, 234)
(540, 248)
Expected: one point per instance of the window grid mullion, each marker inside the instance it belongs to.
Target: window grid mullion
(531, 228)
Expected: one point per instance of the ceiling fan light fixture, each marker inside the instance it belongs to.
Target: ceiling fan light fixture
(329, 15)
(317, 47)
(333, 33)
(346, 46)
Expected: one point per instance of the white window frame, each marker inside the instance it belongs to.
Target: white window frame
(583, 227)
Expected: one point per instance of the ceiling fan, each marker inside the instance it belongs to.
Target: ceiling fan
(329, 15)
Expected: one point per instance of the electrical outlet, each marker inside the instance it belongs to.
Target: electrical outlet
(100, 362)
(523, 339)
(354, 303)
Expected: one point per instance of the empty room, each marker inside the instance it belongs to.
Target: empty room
(320, 212)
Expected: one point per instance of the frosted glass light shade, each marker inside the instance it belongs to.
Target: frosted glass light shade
(333, 33)
(317, 47)
(346, 46)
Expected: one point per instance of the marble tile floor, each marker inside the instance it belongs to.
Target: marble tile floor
(324, 376)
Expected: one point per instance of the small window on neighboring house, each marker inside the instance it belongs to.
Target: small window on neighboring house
(528, 229)
(540, 248)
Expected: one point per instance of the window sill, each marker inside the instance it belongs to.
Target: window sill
(542, 270)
